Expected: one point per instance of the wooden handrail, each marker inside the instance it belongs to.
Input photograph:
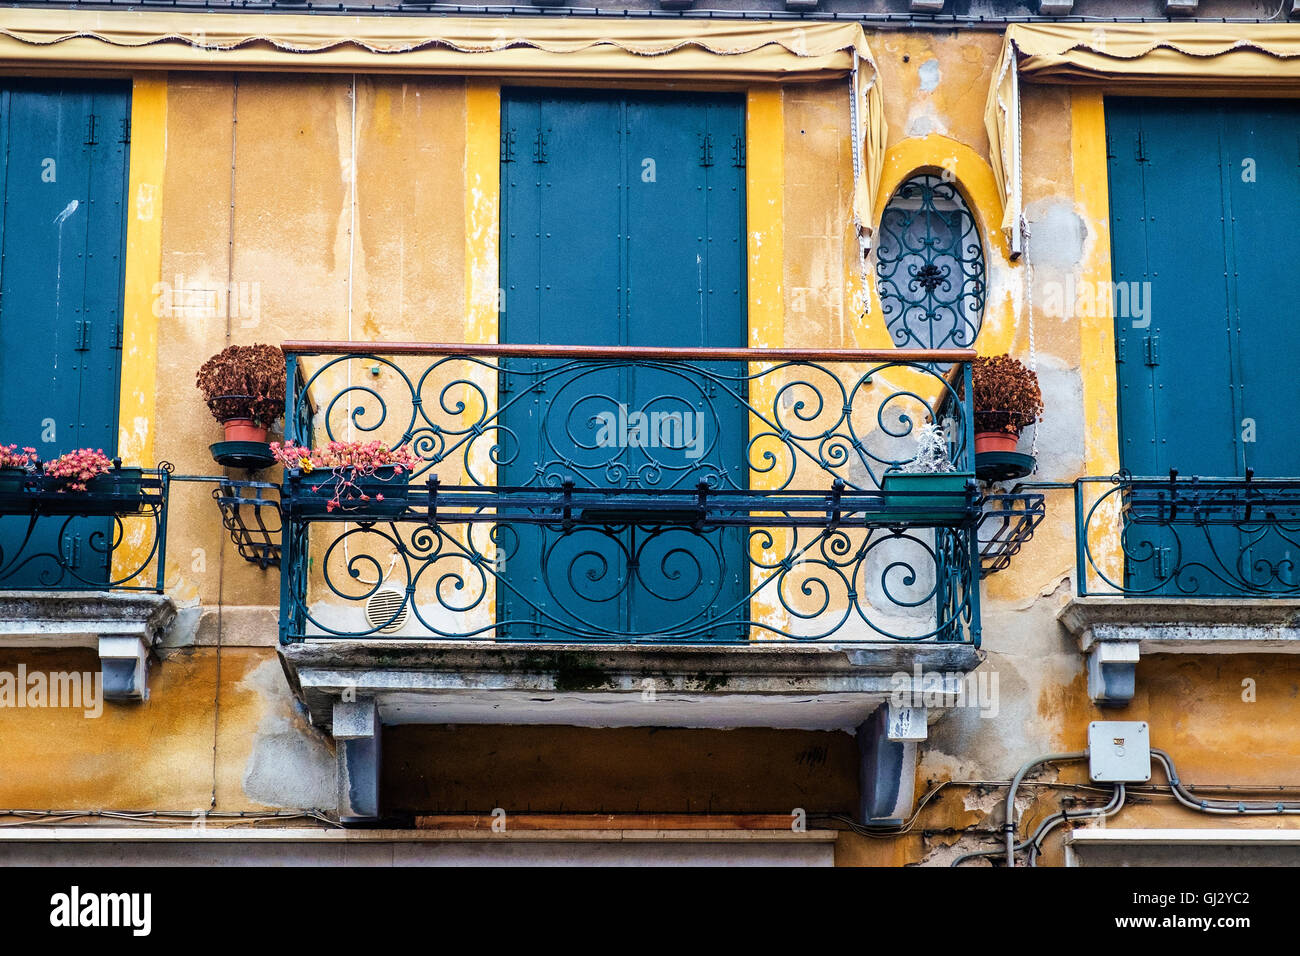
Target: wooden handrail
(641, 352)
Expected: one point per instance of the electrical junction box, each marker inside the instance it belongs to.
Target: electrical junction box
(1119, 751)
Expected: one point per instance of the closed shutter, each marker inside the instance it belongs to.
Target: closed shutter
(1204, 196)
(63, 170)
(623, 224)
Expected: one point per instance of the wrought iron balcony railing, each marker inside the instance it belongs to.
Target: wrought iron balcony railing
(623, 495)
(112, 536)
(1188, 537)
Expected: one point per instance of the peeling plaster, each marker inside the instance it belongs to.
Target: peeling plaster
(290, 765)
(929, 74)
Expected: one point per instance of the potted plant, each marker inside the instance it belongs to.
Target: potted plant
(16, 466)
(243, 386)
(1007, 400)
(927, 487)
(366, 477)
(90, 471)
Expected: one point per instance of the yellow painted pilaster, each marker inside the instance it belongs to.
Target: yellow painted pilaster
(482, 261)
(143, 271)
(482, 210)
(482, 238)
(764, 211)
(1096, 331)
(764, 193)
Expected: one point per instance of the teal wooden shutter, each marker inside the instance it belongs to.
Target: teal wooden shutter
(1201, 192)
(622, 224)
(64, 148)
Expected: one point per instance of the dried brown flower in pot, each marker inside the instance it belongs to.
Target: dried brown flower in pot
(1007, 395)
(244, 382)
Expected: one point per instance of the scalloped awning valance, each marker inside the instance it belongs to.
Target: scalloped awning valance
(510, 48)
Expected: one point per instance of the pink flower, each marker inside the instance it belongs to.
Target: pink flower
(348, 463)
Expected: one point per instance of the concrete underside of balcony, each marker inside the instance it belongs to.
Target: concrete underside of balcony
(782, 686)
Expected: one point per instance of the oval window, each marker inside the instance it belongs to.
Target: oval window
(930, 266)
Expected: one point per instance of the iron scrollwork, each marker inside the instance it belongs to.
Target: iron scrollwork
(749, 507)
(1188, 537)
(801, 584)
(930, 266)
(110, 537)
(813, 424)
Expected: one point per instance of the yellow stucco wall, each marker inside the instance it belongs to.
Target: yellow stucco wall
(371, 214)
(313, 255)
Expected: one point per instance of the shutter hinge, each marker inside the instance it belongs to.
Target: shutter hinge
(83, 335)
(90, 131)
(1162, 562)
(1141, 149)
(1121, 348)
(126, 131)
(706, 149)
(1151, 348)
(738, 151)
(74, 552)
(539, 147)
(117, 335)
(507, 146)
(1110, 150)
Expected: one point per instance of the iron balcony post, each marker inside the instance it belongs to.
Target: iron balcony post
(291, 399)
(1080, 541)
(164, 478)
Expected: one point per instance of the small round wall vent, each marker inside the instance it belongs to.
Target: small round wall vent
(386, 610)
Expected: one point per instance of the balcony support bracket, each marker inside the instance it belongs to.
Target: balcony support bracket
(1112, 672)
(124, 664)
(887, 743)
(123, 628)
(357, 736)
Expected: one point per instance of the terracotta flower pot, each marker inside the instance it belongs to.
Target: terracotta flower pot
(243, 429)
(995, 441)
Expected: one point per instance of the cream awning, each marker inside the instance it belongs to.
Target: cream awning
(1201, 59)
(531, 48)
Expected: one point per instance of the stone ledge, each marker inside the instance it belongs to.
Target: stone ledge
(759, 684)
(224, 846)
(1200, 626)
(123, 627)
(764, 658)
(1114, 632)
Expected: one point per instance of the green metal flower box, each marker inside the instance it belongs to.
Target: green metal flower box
(929, 497)
(12, 499)
(118, 492)
(11, 480)
(381, 494)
